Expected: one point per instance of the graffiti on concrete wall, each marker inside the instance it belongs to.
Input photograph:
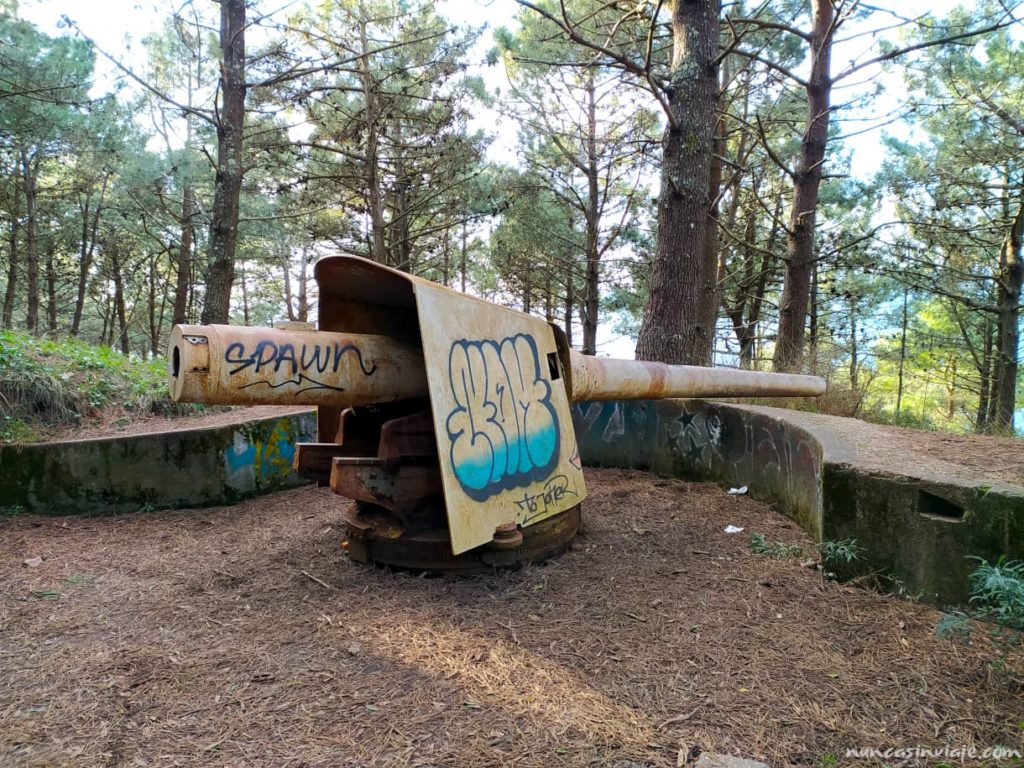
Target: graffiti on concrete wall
(627, 425)
(703, 440)
(504, 430)
(260, 456)
(729, 442)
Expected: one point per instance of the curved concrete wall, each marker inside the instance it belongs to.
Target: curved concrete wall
(181, 468)
(919, 524)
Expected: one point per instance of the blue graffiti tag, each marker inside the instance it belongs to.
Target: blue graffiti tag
(504, 430)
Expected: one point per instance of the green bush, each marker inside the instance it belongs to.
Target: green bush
(997, 591)
(48, 383)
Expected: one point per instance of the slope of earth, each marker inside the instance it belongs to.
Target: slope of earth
(142, 424)
(242, 636)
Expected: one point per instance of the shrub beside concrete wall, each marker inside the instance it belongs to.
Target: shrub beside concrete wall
(182, 468)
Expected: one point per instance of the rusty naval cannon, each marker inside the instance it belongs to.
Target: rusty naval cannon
(446, 418)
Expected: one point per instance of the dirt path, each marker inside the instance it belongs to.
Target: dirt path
(194, 638)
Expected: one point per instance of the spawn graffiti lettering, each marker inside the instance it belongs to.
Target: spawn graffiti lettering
(504, 429)
(537, 504)
(302, 365)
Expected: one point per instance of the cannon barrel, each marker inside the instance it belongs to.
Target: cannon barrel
(465, 455)
(237, 365)
(602, 378)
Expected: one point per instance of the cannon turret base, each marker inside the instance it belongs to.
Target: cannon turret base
(376, 537)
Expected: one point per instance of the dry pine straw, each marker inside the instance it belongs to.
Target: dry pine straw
(196, 638)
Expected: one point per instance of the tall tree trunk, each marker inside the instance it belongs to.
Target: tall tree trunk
(813, 332)
(119, 304)
(570, 298)
(87, 249)
(289, 296)
(107, 320)
(981, 417)
(675, 327)
(854, 352)
(245, 292)
(903, 356)
(228, 183)
(183, 278)
(154, 326)
(51, 288)
(400, 245)
(1008, 296)
(463, 255)
(549, 298)
(11, 292)
(789, 346)
(30, 177)
(592, 282)
(711, 296)
(374, 197)
(527, 289)
(303, 308)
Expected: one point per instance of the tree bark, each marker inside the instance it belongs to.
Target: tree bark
(303, 299)
(674, 327)
(711, 296)
(51, 289)
(183, 279)
(592, 282)
(463, 256)
(119, 305)
(903, 357)
(11, 291)
(228, 185)
(789, 346)
(29, 175)
(154, 325)
(86, 250)
(570, 299)
(374, 198)
(1008, 295)
(854, 351)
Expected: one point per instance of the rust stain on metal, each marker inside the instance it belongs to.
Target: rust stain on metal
(602, 378)
(241, 365)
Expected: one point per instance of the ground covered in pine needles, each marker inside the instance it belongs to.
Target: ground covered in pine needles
(242, 636)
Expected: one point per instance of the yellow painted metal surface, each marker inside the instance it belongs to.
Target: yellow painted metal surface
(602, 378)
(238, 365)
(501, 415)
(499, 381)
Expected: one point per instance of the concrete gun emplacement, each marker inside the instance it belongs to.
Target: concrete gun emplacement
(446, 418)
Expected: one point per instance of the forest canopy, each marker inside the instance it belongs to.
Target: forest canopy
(679, 178)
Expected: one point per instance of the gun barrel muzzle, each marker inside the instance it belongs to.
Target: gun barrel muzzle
(237, 365)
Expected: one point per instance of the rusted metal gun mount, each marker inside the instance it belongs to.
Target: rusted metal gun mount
(444, 417)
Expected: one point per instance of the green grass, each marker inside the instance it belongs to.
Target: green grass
(47, 385)
(776, 550)
(997, 591)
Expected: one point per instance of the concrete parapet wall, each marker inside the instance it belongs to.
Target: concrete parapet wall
(918, 524)
(181, 468)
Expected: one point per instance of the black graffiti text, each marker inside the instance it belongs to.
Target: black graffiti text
(554, 491)
(269, 356)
